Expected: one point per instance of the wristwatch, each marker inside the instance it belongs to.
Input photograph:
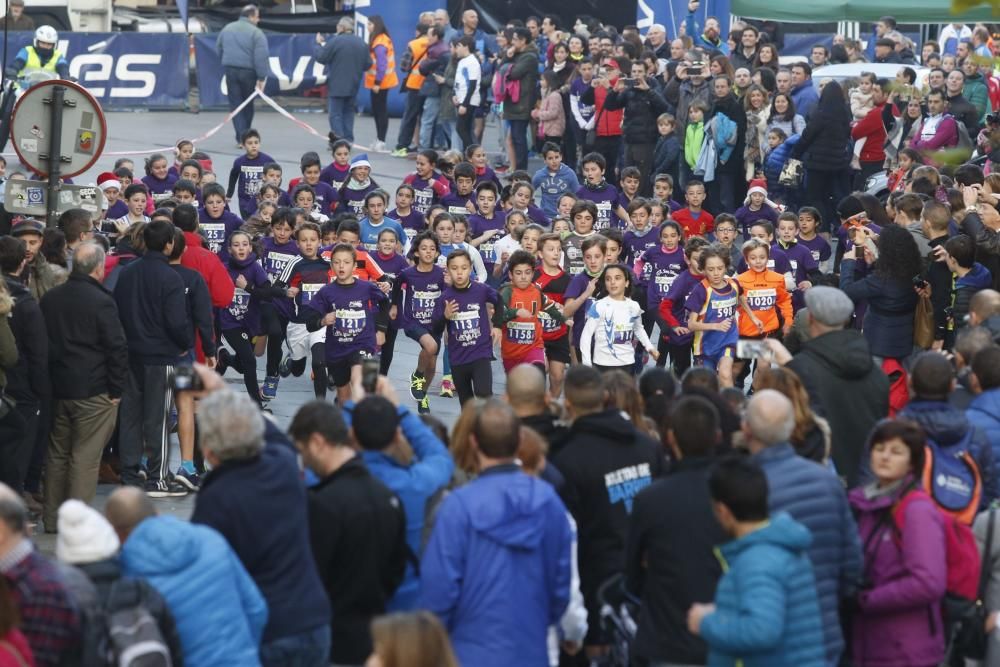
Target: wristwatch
(971, 209)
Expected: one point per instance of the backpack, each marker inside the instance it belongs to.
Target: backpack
(964, 140)
(953, 479)
(133, 635)
(505, 89)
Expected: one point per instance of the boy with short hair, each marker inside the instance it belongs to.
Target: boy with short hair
(520, 321)
(727, 236)
(216, 220)
(584, 217)
(460, 200)
(693, 219)
(248, 173)
(969, 277)
(604, 195)
(579, 294)
(663, 190)
(554, 179)
(630, 180)
(553, 281)
(273, 175)
(185, 192)
(488, 226)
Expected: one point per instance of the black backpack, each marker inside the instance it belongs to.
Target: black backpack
(132, 634)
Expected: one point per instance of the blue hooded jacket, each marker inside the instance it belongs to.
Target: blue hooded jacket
(767, 613)
(219, 611)
(414, 484)
(497, 568)
(775, 162)
(984, 413)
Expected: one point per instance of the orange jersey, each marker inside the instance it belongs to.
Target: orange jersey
(766, 295)
(523, 334)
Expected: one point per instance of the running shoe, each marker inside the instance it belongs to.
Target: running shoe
(447, 387)
(379, 147)
(191, 480)
(159, 488)
(424, 405)
(400, 152)
(222, 361)
(270, 389)
(285, 367)
(418, 386)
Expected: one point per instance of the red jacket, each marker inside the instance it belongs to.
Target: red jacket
(609, 123)
(872, 128)
(208, 264)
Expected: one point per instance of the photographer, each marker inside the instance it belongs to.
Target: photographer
(642, 105)
(607, 122)
(689, 85)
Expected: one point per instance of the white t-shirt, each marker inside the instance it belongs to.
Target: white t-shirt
(613, 326)
(468, 72)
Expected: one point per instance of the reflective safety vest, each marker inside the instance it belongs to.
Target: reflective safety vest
(35, 63)
(389, 79)
(418, 47)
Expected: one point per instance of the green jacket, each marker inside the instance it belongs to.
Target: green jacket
(694, 136)
(976, 92)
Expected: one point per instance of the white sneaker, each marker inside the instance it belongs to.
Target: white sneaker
(378, 147)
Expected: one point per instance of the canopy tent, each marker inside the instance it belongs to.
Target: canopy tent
(816, 11)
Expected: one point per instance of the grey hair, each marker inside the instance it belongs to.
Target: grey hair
(770, 417)
(346, 23)
(230, 425)
(86, 257)
(250, 10)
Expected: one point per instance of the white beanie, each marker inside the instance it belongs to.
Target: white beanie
(85, 536)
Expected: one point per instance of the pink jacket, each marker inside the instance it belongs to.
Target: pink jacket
(551, 118)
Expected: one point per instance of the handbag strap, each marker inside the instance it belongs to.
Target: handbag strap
(984, 569)
(13, 651)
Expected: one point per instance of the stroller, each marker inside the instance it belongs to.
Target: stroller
(619, 611)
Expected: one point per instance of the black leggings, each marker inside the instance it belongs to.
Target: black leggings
(380, 110)
(473, 379)
(463, 126)
(319, 370)
(243, 359)
(275, 325)
(680, 356)
(387, 350)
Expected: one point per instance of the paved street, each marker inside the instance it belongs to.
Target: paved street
(286, 142)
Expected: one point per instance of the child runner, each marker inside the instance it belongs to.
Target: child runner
(272, 176)
(770, 305)
(414, 296)
(580, 292)
(429, 185)
(805, 270)
(392, 264)
(756, 207)
(413, 221)
(215, 220)
(629, 181)
(727, 238)
(353, 191)
(183, 150)
(663, 190)
(355, 314)
(487, 226)
(671, 314)
(326, 197)
(476, 154)
(554, 282)
(613, 323)
(554, 180)
(693, 219)
(810, 221)
(376, 203)
(337, 172)
(158, 179)
(112, 189)
(462, 310)
(658, 213)
(520, 319)
(522, 197)
(713, 311)
(584, 216)
(511, 242)
(185, 192)
(665, 263)
(601, 193)
(616, 242)
(461, 199)
(247, 174)
(241, 321)
(279, 250)
(135, 199)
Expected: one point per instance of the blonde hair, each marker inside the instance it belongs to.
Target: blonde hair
(412, 639)
(788, 383)
(462, 449)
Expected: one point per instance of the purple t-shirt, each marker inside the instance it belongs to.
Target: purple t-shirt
(160, 188)
(251, 177)
(244, 311)
(678, 296)
(745, 218)
(636, 243)
(352, 200)
(819, 247)
(456, 203)
(536, 215)
(117, 210)
(218, 230)
(416, 294)
(469, 332)
(605, 197)
(355, 306)
(334, 175)
(426, 190)
(577, 286)
(413, 223)
(478, 225)
(777, 261)
(801, 261)
(722, 305)
(275, 259)
(392, 265)
(664, 267)
(487, 175)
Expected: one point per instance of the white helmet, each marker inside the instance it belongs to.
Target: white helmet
(47, 34)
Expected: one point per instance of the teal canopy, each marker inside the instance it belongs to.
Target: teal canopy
(825, 11)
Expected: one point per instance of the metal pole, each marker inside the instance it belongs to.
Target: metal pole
(56, 105)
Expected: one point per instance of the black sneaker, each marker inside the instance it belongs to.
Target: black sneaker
(164, 489)
(285, 367)
(222, 361)
(190, 480)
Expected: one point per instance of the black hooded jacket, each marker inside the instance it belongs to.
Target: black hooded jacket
(846, 387)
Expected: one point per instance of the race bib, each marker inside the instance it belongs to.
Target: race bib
(423, 200)
(308, 291)
(622, 333)
(275, 263)
(349, 324)
(815, 254)
(663, 284)
(724, 308)
(215, 235)
(465, 327)
(603, 215)
(521, 333)
(549, 323)
(762, 299)
(422, 307)
(252, 180)
(240, 304)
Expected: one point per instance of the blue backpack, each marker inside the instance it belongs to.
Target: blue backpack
(952, 478)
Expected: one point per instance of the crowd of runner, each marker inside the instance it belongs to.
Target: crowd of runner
(752, 408)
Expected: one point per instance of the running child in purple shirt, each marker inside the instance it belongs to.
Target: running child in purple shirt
(355, 314)
(805, 269)
(629, 183)
(414, 297)
(158, 179)
(579, 295)
(392, 265)
(476, 154)
(247, 174)
(429, 185)
(216, 221)
(327, 199)
(675, 337)
(461, 200)
(279, 250)
(487, 226)
(337, 172)
(810, 221)
(413, 221)
(352, 193)
(604, 195)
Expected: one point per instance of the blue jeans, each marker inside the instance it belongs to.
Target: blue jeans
(519, 138)
(342, 117)
(414, 103)
(432, 105)
(306, 649)
(443, 133)
(240, 84)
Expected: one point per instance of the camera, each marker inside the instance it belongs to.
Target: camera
(370, 368)
(697, 64)
(185, 378)
(748, 348)
(993, 118)
(919, 282)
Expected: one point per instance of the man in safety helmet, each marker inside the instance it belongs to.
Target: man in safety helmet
(42, 55)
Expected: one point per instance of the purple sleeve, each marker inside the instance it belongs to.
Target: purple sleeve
(696, 300)
(381, 62)
(575, 287)
(320, 301)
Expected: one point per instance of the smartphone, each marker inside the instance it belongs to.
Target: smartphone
(369, 373)
(628, 81)
(185, 378)
(697, 65)
(871, 247)
(748, 348)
